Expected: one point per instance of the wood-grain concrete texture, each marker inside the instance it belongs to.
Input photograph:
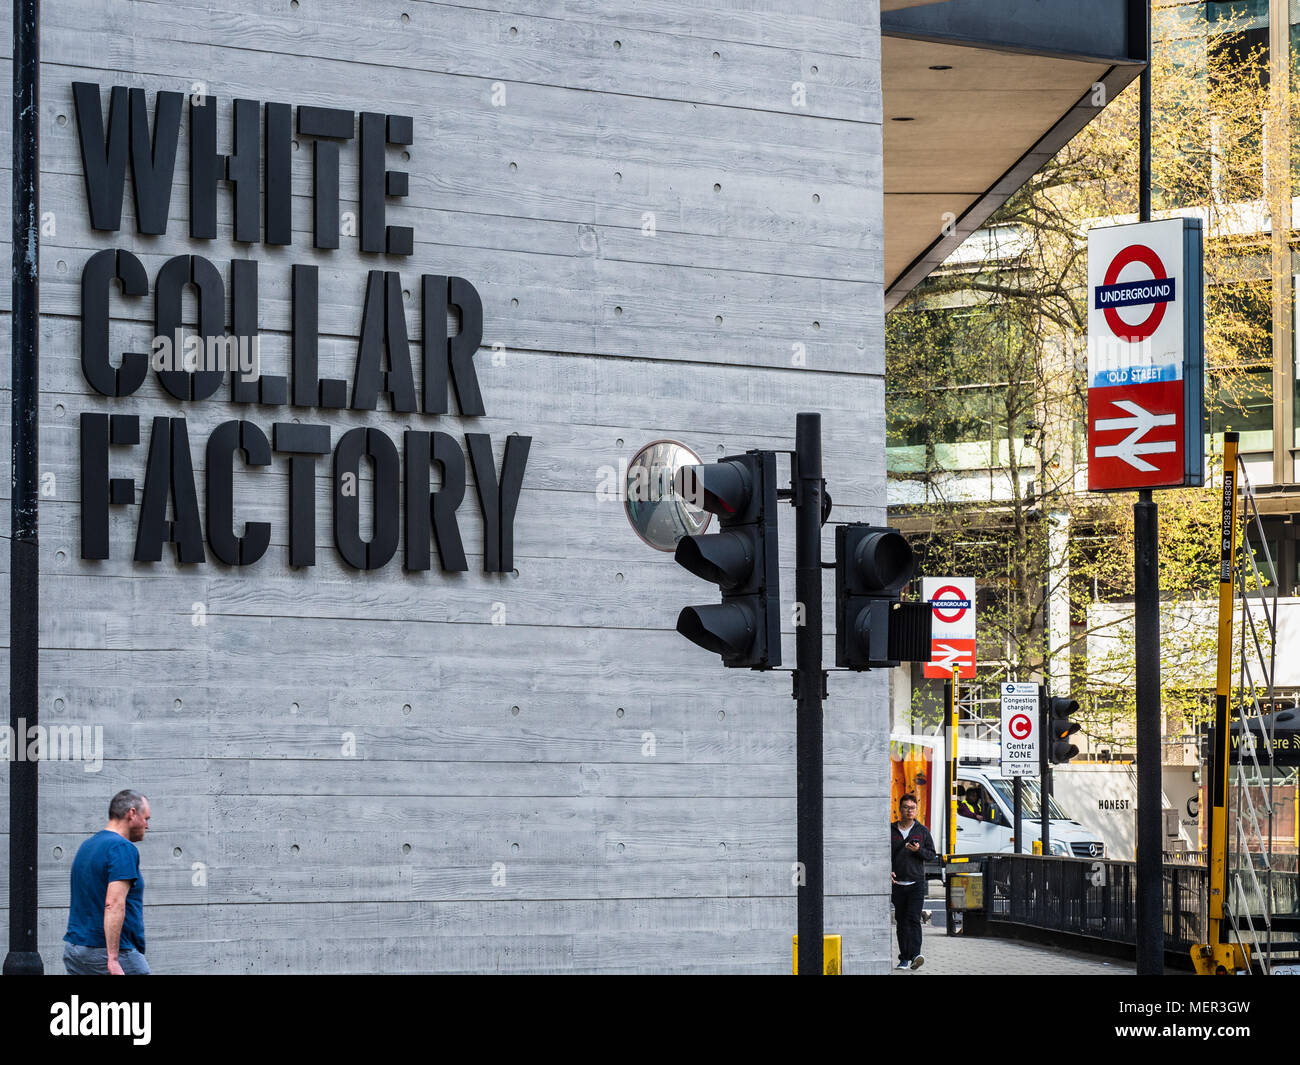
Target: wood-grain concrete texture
(368, 771)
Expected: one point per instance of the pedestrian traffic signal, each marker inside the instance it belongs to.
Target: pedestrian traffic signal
(745, 628)
(1060, 728)
(873, 628)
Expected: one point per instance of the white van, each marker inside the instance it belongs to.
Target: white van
(920, 766)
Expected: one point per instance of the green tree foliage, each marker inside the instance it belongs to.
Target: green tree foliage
(986, 382)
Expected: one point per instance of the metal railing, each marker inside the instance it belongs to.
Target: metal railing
(1098, 898)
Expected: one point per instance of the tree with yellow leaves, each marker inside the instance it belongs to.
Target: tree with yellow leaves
(986, 386)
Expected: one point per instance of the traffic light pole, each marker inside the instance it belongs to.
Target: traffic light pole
(1044, 769)
(809, 686)
(874, 628)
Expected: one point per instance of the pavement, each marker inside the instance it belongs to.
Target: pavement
(961, 955)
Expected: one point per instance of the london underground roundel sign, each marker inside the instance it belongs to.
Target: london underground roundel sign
(1157, 291)
(950, 604)
(1145, 367)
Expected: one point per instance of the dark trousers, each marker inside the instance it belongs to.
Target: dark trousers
(907, 913)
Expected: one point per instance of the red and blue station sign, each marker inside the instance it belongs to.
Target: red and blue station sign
(1145, 365)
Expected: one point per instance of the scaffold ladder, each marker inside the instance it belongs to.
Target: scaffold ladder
(1240, 847)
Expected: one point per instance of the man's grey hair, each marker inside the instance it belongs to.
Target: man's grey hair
(123, 803)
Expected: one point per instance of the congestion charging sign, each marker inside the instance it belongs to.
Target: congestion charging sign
(1145, 364)
(952, 639)
(1020, 737)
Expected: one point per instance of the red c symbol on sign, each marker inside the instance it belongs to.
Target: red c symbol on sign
(1020, 726)
(949, 592)
(1135, 253)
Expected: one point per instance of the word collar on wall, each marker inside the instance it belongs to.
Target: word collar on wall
(194, 368)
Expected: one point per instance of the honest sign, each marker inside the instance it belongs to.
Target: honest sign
(1019, 730)
(1145, 366)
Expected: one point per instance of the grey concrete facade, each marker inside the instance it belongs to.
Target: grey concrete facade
(673, 214)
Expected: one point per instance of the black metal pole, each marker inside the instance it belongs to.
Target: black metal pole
(1144, 127)
(1017, 793)
(1146, 604)
(1044, 772)
(23, 958)
(808, 491)
(1150, 845)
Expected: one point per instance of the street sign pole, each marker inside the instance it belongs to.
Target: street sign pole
(809, 681)
(1017, 788)
(1146, 416)
(1150, 844)
(1146, 604)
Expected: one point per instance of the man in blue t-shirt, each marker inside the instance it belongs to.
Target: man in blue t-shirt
(105, 934)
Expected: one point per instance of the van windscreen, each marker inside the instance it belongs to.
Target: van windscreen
(1028, 799)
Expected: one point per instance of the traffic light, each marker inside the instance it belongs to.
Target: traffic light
(1060, 728)
(873, 628)
(745, 628)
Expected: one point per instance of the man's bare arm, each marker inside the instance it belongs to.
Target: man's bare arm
(114, 915)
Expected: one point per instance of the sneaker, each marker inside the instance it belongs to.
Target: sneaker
(903, 965)
(925, 916)
(918, 961)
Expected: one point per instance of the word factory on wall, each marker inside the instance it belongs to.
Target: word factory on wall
(258, 173)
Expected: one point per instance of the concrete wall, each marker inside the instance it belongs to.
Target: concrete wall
(503, 809)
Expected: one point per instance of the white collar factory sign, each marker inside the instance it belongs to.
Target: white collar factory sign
(194, 368)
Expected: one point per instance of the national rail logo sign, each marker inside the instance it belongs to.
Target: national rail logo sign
(952, 643)
(1145, 409)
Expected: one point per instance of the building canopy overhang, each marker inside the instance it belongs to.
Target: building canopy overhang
(978, 95)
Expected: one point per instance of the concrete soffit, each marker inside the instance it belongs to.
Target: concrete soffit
(967, 120)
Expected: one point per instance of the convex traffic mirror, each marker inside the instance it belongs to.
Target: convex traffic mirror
(655, 509)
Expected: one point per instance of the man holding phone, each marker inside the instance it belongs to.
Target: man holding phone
(910, 847)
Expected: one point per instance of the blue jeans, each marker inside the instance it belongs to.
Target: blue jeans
(93, 961)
